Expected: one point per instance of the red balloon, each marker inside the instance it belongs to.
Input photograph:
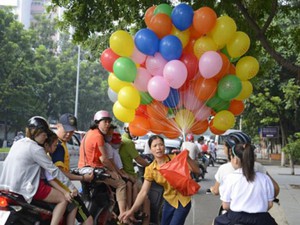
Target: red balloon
(141, 111)
(107, 59)
(191, 63)
(236, 107)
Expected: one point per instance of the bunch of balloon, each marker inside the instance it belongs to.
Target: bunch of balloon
(184, 73)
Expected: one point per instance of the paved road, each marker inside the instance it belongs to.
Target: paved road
(205, 207)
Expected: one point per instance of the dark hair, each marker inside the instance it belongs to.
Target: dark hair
(201, 138)
(154, 137)
(245, 152)
(51, 138)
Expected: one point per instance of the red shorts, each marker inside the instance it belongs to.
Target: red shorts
(42, 191)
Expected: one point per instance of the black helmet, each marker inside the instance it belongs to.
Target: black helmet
(38, 122)
(237, 138)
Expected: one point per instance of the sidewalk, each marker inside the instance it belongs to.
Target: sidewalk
(288, 210)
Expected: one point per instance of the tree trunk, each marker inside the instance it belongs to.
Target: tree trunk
(292, 165)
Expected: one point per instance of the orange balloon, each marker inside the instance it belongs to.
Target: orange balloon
(161, 25)
(236, 107)
(225, 67)
(149, 14)
(140, 126)
(199, 127)
(215, 130)
(204, 19)
(157, 126)
(157, 110)
(172, 134)
(171, 129)
(205, 88)
(194, 33)
(231, 69)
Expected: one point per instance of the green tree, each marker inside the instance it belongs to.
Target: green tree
(17, 90)
(293, 150)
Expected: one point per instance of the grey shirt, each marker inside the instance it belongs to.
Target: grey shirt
(22, 169)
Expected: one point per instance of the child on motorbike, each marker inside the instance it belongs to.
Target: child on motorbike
(24, 177)
(246, 194)
(50, 146)
(176, 206)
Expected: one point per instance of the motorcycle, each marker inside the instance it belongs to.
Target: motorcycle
(15, 210)
(98, 197)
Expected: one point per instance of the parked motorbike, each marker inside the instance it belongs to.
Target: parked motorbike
(98, 197)
(15, 210)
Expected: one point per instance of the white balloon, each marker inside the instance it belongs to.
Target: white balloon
(113, 96)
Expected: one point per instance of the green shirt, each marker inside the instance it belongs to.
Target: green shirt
(128, 153)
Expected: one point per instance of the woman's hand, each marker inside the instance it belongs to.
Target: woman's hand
(88, 177)
(68, 196)
(127, 217)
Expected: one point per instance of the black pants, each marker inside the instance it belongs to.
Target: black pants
(243, 218)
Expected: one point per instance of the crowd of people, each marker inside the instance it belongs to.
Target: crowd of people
(43, 173)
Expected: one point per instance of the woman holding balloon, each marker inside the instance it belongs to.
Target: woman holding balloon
(176, 206)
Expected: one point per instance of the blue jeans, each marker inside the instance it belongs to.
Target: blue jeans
(173, 216)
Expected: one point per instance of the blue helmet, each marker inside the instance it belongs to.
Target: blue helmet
(237, 138)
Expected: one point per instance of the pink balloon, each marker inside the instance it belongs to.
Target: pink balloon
(175, 72)
(158, 88)
(203, 113)
(190, 101)
(155, 64)
(142, 79)
(137, 56)
(210, 64)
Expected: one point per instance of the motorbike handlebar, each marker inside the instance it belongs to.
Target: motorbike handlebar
(99, 172)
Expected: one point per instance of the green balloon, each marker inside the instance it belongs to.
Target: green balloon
(145, 98)
(229, 87)
(217, 104)
(163, 8)
(224, 51)
(125, 69)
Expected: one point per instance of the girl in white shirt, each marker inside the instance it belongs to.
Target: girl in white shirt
(246, 194)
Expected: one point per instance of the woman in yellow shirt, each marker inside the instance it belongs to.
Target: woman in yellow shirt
(176, 206)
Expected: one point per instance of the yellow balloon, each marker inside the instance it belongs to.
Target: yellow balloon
(204, 44)
(238, 45)
(185, 119)
(224, 120)
(121, 43)
(184, 36)
(223, 31)
(247, 68)
(129, 97)
(116, 84)
(246, 91)
(122, 113)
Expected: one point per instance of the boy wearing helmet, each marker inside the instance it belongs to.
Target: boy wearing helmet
(27, 172)
(92, 153)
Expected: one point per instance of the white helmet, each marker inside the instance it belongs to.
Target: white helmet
(102, 115)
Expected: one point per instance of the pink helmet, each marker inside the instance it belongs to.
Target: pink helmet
(102, 115)
(190, 137)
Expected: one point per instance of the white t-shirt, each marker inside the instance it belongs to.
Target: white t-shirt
(192, 148)
(244, 196)
(227, 168)
(113, 153)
